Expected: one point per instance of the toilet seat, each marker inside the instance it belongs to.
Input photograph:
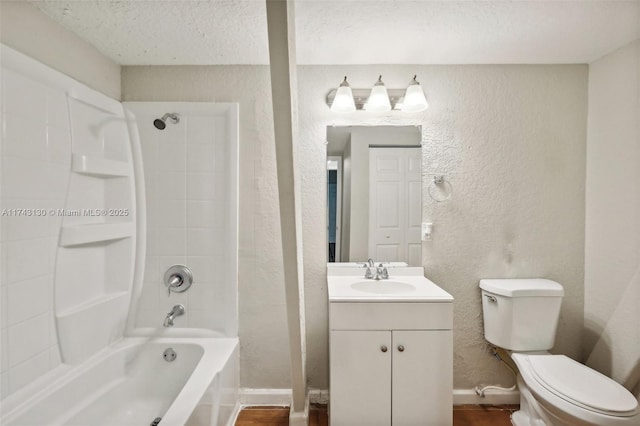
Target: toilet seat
(578, 384)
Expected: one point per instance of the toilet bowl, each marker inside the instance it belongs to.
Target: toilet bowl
(566, 392)
(520, 315)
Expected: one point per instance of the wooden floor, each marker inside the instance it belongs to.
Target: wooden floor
(463, 415)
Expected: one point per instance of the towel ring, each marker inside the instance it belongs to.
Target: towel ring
(440, 189)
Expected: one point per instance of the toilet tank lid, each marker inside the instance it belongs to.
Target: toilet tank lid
(522, 287)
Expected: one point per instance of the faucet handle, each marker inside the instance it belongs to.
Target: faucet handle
(175, 280)
(178, 278)
(368, 274)
(385, 273)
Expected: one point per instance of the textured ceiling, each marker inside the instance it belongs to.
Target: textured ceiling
(207, 32)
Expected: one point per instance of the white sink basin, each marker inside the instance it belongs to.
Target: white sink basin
(405, 284)
(383, 287)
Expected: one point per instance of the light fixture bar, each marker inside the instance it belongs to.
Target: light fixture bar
(360, 97)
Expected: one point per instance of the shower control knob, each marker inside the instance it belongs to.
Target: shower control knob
(383, 348)
(178, 279)
(401, 348)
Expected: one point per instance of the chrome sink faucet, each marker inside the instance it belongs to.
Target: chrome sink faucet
(175, 312)
(381, 272)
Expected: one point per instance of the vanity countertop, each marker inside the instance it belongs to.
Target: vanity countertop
(404, 285)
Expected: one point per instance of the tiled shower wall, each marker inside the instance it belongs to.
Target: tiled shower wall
(186, 181)
(36, 153)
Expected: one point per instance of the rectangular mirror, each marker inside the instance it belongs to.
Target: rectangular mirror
(374, 194)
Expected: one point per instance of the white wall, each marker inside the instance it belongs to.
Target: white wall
(346, 205)
(359, 205)
(28, 30)
(612, 247)
(511, 139)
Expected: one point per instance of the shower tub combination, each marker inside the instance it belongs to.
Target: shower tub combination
(117, 363)
(131, 383)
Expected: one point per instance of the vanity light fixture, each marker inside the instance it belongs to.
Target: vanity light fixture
(378, 98)
(414, 99)
(343, 101)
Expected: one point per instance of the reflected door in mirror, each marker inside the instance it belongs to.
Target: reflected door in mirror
(395, 204)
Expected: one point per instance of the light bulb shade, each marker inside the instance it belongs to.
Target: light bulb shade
(414, 99)
(343, 101)
(378, 99)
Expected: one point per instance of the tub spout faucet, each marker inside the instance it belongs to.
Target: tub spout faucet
(175, 312)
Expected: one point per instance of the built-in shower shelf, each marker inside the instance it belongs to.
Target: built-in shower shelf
(92, 325)
(104, 299)
(99, 167)
(94, 233)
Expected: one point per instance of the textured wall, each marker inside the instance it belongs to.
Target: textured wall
(512, 141)
(612, 262)
(31, 32)
(510, 138)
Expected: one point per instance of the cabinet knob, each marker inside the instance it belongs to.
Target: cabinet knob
(401, 348)
(383, 348)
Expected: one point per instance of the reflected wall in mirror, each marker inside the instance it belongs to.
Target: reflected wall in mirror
(374, 194)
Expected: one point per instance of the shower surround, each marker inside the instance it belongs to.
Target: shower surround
(75, 235)
(191, 206)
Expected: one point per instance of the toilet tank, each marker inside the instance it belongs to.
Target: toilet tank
(521, 314)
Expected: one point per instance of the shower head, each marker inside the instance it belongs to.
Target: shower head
(161, 123)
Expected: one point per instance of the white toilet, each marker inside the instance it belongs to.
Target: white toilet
(521, 315)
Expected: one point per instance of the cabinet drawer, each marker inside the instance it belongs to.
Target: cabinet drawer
(390, 316)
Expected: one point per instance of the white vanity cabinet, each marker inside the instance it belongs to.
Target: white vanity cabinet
(360, 383)
(390, 363)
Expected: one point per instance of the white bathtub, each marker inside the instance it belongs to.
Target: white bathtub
(130, 383)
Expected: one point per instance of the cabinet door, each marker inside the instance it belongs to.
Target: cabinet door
(360, 379)
(422, 378)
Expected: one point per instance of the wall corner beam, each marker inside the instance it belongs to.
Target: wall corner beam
(281, 30)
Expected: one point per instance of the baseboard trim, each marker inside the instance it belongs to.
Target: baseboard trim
(318, 396)
(278, 397)
(491, 397)
(234, 414)
(300, 419)
(282, 397)
(259, 397)
(253, 397)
